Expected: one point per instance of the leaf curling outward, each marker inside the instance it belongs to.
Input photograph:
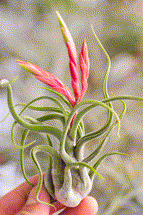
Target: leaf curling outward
(68, 169)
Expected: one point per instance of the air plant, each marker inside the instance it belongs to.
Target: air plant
(69, 177)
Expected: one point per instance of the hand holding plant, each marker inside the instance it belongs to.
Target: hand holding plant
(69, 177)
(22, 200)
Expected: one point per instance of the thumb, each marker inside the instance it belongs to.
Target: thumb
(33, 207)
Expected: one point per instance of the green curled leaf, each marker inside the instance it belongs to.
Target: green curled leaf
(69, 166)
(55, 109)
(11, 106)
(83, 112)
(21, 153)
(124, 97)
(59, 95)
(53, 116)
(68, 159)
(105, 93)
(102, 144)
(35, 121)
(36, 163)
(92, 135)
(97, 164)
(80, 132)
(13, 141)
(22, 144)
(40, 128)
(51, 109)
(49, 140)
(49, 98)
(25, 133)
(5, 82)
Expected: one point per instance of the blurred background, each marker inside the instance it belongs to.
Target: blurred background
(29, 31)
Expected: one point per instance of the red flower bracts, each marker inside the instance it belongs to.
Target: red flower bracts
(53, 81)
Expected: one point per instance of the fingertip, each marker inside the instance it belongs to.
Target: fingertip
(87, 206)
(90, 203)
(58, 207)
(35, 207)
(43, 196)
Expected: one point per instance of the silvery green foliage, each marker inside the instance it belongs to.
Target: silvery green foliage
(96, 17)
(68, 179)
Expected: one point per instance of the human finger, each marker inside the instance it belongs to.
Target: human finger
(33, 207)
(87, 206)
(58, 207)
(13, 201)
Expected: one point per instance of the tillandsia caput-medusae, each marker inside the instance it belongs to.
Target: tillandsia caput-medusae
(69, 177)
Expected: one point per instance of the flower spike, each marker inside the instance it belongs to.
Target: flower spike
(48, 79)
(84, 66)
(67, 178)
(72, 55)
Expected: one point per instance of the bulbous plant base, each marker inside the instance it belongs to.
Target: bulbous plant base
(67, 178)
(74, 186)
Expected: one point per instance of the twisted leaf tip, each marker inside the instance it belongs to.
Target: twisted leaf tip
(69, 177)
(4, 83)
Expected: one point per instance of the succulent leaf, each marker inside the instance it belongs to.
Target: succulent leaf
(68, 179)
